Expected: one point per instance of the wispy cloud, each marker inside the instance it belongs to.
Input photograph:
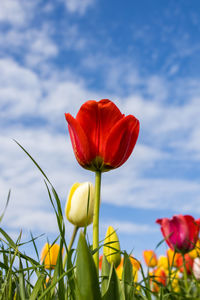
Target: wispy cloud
(78, 6)
(129, 228)
(36, 90)
(17, 12)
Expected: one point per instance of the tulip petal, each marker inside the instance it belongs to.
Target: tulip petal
(180, 236)
(97, 119)
(79, 141)
(167, 231)
(121, 141)
(193, 232)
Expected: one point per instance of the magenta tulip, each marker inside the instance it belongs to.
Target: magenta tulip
(180, 232)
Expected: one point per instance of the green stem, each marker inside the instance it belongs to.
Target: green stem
(96, 218)
(70, 244)
(185, 274)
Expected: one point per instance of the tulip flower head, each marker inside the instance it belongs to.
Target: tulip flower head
(80, 204)
(150, 258)
(49, 255)
(188, 263)
(173, 257)
(111, 248)
(163, 262)
(159, 278)
(135, 265)
(102, 137)
(196, 268)
(196, 251)
(180, 232)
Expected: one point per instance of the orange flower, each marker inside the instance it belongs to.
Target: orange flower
(159, 278)
(150, 258)
(100, 262)
(188, 263)
(173, 257)
(135, 265)
(49, 255)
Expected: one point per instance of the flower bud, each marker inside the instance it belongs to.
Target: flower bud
(173, 257)
(135, 265)
(159, 278)
(196, 268)
(49, 255)
(163, 262)
(196, 251)
(150, 258)
(80, 204)
(111, 248)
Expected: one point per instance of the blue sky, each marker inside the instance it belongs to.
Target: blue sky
(144, 56)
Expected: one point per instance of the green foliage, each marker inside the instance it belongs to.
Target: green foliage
(86, 275)
(75, 277)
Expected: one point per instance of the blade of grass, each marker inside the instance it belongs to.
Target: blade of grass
(7, 201)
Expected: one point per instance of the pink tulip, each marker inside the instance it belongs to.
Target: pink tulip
(180, 232)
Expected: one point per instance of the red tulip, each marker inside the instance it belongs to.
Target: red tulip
(102, 137)
(188, 263)
(180, 232)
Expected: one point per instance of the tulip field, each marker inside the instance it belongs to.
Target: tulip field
(102, 139)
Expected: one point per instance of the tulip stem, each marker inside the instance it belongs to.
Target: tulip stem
(185, 273)
(96, 218)
(70, 244)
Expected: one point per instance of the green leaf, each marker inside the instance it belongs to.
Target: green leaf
(127, 277)
(105, 272)
(7, 201)
(71, 275)
(114, 291)
(21, 281)
(87, 280)
(37, 287)
(58, 274)
(61, 287)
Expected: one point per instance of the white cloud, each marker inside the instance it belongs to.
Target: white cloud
(176, 195)
(78, 6)
(19, 90)
(12, 11)
(16, 12)
(124, 227)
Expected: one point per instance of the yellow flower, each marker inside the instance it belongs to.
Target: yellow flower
(80, 204)
(150, 258)
(111, 248)
(135, 265)
(175, 281)
(163, 262)
(159, 277)
(196, 251)
(173, 257)
(49, 255)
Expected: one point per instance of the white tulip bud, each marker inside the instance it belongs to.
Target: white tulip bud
(196, 268)
(80, 204)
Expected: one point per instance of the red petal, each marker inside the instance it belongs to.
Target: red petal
(165, 229)
(97, 119)
(180, 236)
(193, 230)
(121, 141)
(79, 141)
